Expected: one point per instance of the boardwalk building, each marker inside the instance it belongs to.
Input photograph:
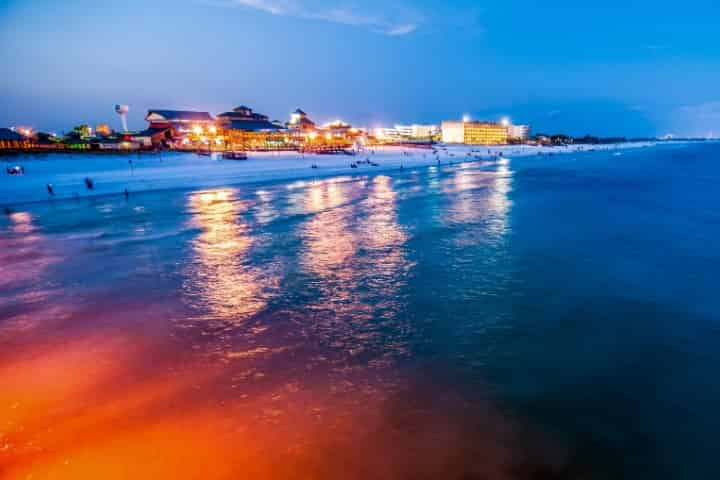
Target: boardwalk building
(12, 140)
(180, 122)
(246, 130)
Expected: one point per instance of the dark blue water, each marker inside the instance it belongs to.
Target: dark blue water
(544, 317)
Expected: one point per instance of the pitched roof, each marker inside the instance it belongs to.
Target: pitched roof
(177, 115)
(253, 126)
(241, 116)
(9, 135)
(150, 132)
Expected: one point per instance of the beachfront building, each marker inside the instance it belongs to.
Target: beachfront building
(301, 129)
(151, 138)
(114, 143)
(332, 137)
(400, 133)
(417, 132)
(240, 114)
(180, 129)
(474, 133)
(180, 122)
(103, 129)
(12, 140)
(385, 134)
(48, 142)
(518, 132)
(244, 129)
(337, 129)
(342, 133)
(300, 122)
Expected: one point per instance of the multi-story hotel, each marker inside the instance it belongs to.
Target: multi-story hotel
(519, 132)
(406, 132)
(416, 131)
(474, 133)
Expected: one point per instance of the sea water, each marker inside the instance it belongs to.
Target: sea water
(514, 318)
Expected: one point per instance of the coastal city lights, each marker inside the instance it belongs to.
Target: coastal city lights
(242, 129)
(359, 240)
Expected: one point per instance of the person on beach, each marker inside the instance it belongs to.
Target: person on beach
(50, 190)
(126, 193)
(89, 183)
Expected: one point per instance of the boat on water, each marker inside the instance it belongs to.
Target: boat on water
(235, 155)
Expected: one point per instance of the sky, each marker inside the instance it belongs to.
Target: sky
(631, 68)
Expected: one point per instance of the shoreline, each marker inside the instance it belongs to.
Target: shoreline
(139, 173)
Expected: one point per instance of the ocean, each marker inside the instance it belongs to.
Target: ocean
(532, 317)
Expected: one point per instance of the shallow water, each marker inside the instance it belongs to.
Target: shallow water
(551, 316)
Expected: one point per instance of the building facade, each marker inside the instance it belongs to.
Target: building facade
(12, 140)
(181, 122)
(244, 129)
(240, 114)
(400, 133)
(417, 131)
(474, 133)
(519, 132)
(300, 122)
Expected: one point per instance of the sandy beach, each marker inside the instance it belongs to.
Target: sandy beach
(112, 174)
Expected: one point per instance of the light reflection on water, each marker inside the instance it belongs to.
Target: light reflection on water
(354, 254)
(479, 196)
(282, 339)
(25, 255)
(222, 282)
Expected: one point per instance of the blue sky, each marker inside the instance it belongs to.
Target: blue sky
(611, 68)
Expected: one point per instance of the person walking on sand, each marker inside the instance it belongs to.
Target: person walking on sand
(50, 190)
(89, 183)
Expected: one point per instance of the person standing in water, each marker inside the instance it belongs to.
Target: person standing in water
(50, 189)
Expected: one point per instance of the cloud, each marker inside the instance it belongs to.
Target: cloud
(403, 29)
(378, 18)
(267, 6)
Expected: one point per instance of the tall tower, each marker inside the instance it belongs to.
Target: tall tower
(122, 110)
